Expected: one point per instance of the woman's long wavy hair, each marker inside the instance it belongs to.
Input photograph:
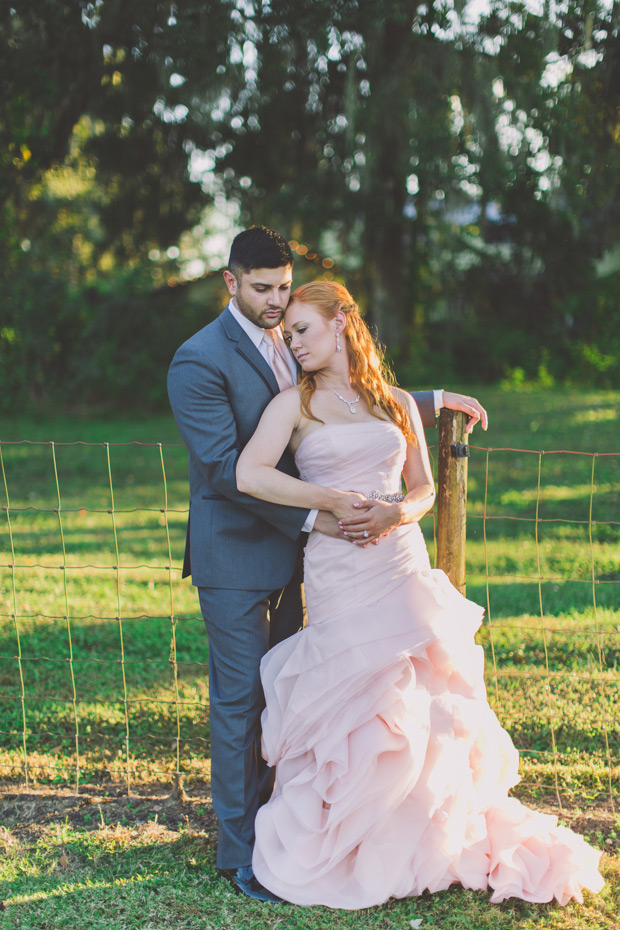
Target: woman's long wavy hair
(369, 372)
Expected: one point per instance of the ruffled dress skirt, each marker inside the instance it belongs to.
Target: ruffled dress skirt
(392, 771)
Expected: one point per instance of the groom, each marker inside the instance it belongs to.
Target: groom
(243, 553)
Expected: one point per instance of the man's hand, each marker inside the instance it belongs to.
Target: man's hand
(375, 519)
(468, 405)
(327, 524)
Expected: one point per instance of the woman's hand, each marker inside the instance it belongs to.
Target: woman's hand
(469, 405)
(373, 518)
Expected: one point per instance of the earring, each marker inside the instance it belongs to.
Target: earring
(338, 349)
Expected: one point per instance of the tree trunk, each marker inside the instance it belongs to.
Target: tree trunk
(389, 59)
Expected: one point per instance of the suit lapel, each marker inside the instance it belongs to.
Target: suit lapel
(248, 351)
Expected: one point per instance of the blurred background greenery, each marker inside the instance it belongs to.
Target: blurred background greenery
(456, 164)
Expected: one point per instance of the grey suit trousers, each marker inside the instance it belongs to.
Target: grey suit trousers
(242, 626)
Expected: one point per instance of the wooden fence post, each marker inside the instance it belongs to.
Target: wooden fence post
(452, 496)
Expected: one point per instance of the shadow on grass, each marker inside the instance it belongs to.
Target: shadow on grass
(515, 599)
(35, 537)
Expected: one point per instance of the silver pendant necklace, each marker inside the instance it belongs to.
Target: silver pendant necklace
(350, 403)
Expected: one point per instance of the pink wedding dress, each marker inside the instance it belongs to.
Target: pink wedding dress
(392, 770)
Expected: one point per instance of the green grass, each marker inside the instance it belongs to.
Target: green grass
(111, 863)
(551, 585)
(102, 614)
(131, 711)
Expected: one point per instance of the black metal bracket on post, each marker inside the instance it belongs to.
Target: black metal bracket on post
(459, 450)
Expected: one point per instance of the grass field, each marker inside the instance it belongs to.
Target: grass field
(103, 660)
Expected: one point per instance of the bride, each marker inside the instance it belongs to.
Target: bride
(392, 771)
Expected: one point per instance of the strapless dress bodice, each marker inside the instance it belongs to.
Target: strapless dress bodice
(364, 456)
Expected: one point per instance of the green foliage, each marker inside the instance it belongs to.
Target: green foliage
(59, 69)
(466, 181)
(98, 347)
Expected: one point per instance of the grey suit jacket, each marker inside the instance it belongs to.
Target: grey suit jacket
(219, 384)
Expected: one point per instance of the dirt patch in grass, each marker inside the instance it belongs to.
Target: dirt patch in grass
(597, 818)
(29, 814)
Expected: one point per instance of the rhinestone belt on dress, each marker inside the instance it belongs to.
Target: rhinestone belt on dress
(390, 498)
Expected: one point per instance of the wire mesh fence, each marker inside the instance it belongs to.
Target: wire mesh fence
(90, 661)
(103, 654)
(544, 559)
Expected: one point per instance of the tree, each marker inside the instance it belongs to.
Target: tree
(466, 179)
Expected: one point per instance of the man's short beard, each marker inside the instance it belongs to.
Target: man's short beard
(257, 318)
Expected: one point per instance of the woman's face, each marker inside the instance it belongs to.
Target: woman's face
(312, 338)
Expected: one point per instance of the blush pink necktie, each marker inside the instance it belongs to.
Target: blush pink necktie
(277, 359)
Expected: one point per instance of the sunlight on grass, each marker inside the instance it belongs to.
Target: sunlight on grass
(149, 875)
(68, 888)
(596, 415)
(556, 493)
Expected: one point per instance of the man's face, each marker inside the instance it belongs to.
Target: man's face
(262, 294)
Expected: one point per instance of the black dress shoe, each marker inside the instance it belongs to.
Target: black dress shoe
(245, 882)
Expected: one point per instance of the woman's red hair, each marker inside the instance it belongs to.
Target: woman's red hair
(370, 374)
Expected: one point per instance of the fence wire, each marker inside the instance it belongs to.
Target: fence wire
(558, 548)
(103, 653)
(128, 727)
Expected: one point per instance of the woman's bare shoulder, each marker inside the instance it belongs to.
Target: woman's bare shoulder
(405, 398)
(286, 401)
(411, 408)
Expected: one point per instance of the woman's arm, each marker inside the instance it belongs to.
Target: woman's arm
(417, 470)
(376, 518)
(258, 476)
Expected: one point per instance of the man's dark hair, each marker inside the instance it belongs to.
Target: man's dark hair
(258, 247)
